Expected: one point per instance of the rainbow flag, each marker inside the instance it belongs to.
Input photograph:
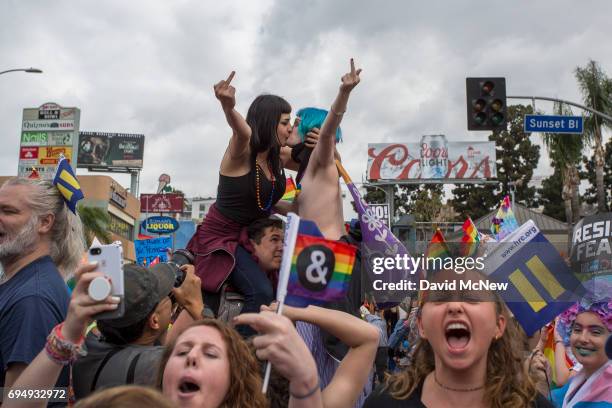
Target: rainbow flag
(437, 247)
(470, 232)
(471, 238)
(320, 271)
(290, 190)
(504, 221)
(549, 353)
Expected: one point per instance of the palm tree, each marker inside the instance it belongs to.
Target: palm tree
(95, 221)
(596, 90)
(565, 151)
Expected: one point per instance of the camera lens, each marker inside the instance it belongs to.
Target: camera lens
(182, 257)
(95, 251)
(179, 277)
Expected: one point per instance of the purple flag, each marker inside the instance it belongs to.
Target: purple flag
(379, 242)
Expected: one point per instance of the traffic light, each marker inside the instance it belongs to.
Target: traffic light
(486, 103)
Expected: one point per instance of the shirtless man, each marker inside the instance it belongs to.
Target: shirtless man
(320, 199)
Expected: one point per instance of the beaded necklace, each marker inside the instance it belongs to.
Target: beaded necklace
(258, 187)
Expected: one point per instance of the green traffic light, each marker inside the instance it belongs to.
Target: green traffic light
(497, 119)
(480, 118)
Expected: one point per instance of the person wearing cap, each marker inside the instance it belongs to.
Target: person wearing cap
(130, 347)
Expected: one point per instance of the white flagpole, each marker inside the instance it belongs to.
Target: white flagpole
(291, 231)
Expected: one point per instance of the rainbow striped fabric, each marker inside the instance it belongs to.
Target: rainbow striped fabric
(437, 247)
(470, 232)
(504, 221)
(290, 190)
(549, 353)
(320, 271)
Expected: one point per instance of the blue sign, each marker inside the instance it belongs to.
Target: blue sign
(160, 224)
(540, 284)
(553, 124)
(149, 249)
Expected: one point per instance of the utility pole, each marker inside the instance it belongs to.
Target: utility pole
(546, 98)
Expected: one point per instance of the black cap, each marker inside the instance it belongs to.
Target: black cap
(609, 347)
(144, 289)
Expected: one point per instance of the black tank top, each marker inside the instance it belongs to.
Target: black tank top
(237, 200)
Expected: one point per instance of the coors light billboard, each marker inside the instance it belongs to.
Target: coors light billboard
(433, 158)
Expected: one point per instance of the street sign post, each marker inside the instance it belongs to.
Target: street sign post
(553, 124)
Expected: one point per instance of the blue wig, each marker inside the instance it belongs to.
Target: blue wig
(313, 118)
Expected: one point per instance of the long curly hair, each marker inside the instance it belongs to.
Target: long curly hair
(245, 376)
(506, 385)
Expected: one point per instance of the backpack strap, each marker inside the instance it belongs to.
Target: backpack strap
(107, 357)
(129, 378)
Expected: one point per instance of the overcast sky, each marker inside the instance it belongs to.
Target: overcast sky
(149, 66)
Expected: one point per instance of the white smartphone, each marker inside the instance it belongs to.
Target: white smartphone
(110, 262)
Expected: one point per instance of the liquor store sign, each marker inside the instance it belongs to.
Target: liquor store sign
(47, 132)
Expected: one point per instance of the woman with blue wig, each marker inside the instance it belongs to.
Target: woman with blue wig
(251, 182)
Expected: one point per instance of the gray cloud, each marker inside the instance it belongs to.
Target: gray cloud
(149, 66)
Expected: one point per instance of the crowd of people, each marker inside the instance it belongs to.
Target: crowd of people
(181, 345)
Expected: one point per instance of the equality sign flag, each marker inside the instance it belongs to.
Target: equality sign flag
(147, 250)
(591, 255)
(379, 242)
(66, 182)
(538, 284)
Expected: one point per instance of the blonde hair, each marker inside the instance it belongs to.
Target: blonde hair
(506, 384)
(66, 241)
(125, 396)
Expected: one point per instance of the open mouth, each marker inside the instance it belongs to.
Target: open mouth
(457, 335)
(187, 387)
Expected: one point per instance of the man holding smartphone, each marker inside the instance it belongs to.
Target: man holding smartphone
(130, 347)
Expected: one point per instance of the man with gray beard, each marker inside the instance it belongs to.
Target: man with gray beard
(40, 241)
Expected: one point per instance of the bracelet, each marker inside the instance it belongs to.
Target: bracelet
(310, 393)
(60, 350)
(337, 113)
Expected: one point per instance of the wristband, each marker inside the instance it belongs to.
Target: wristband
(310, 393)
(336, 113)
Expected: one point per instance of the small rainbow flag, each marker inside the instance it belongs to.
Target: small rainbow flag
(504, 221)
(471, 238)
(549, 353)
(437, 247)
(470, 232)
(320, 271)
(290, 190)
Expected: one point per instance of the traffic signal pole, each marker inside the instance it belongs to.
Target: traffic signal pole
(545, 98)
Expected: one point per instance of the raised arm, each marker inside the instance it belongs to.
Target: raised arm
(360, 336)
(279, 343)
(323, 153)
(241, 131)
(45, 369)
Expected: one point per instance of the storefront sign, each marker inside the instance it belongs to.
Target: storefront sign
(161, 203)
(160, 224)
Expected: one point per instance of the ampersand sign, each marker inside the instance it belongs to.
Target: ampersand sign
(315, 266)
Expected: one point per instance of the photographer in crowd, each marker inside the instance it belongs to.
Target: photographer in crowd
(130, 347)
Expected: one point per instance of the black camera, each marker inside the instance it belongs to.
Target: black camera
(179, 258)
